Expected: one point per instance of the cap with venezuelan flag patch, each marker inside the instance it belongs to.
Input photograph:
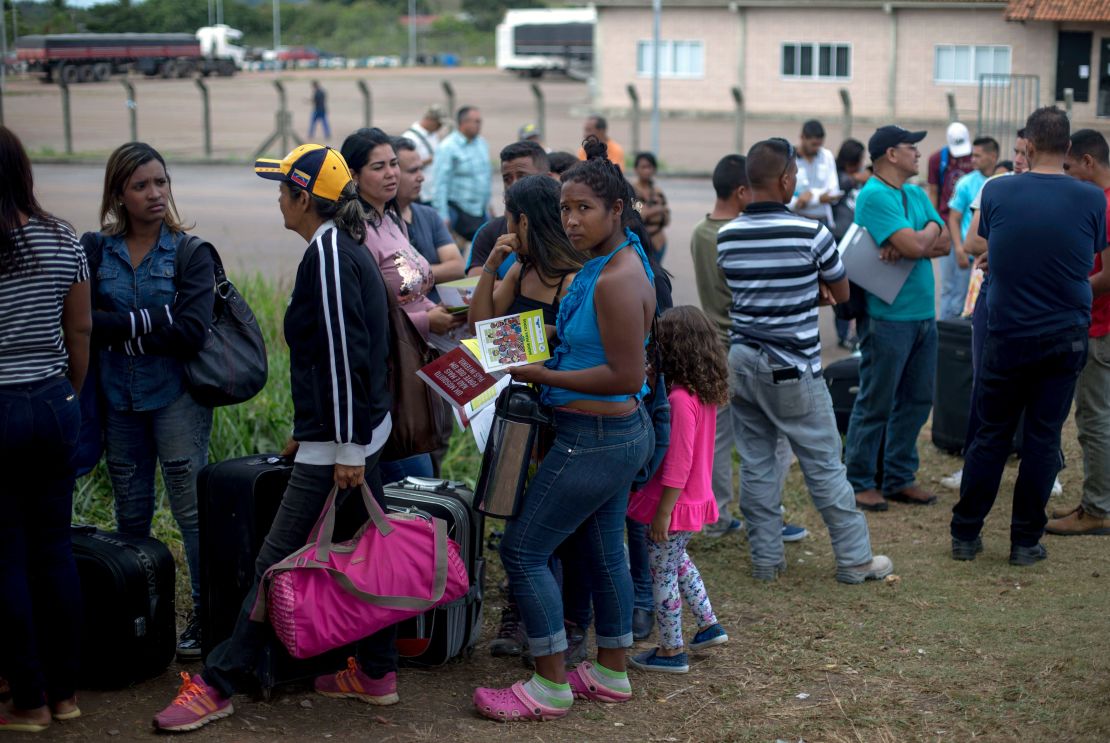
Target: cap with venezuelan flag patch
(317, 169)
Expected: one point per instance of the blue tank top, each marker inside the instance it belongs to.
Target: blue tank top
(579, 336)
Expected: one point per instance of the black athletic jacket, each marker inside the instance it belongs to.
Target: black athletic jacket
(338, 335)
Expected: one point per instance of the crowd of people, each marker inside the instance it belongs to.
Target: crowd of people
(385, 219)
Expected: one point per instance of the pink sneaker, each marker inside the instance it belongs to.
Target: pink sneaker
(195, 705)
(352, 683)
(584, 687)
(514, 703)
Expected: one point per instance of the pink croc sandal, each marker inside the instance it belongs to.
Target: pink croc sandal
(584, 687)
(514, 703)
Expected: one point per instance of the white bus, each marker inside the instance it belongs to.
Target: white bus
(534, 41)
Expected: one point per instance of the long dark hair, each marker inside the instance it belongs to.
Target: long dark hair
(549, 250)
(851, 153)
(17, 198)
(356, 151)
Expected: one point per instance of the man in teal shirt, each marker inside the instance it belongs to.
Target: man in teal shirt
(956, 267)
(898, 341)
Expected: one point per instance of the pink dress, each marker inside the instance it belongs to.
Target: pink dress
(688, 464)
(407, 273)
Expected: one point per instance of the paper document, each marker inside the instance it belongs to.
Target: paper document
(861, 260)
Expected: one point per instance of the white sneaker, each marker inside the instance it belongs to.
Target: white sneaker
(1057, 488)
(879, 568)
(952, 482)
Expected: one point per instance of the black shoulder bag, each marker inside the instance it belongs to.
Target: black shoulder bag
(231, 367)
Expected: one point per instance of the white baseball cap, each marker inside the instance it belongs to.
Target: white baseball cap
(959, 140)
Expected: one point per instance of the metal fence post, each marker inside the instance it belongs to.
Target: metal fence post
(449, 91)
(367, 104)
(67, 123)
(206, 116)
(541, 109)
(635, 97)
(283, 126)
(132, 108)
(846, 103)
(953, 113)
(1069, 100)
(738, 120)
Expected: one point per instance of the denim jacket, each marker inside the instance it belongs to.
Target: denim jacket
(138, 382)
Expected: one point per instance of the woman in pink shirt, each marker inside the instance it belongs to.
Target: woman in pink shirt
(407, 274)
(678, 501)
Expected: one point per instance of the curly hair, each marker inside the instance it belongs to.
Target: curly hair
(690, 353)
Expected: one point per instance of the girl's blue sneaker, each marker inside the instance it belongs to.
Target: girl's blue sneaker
(712, 635)
(650, 660)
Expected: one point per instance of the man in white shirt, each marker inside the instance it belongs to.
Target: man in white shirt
(425, 135)
(818, 184)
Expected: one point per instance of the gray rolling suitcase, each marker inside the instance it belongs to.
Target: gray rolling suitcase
(448, 631)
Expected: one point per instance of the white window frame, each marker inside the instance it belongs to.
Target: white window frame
(972, 47)
(816, 47)
(668, 47)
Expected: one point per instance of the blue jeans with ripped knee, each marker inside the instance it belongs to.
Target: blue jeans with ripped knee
(175, 436)
(582, 486)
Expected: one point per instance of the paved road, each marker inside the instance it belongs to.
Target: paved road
(238, 212)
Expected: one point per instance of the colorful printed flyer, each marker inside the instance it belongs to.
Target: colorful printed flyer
(512, 340)
(457, 295)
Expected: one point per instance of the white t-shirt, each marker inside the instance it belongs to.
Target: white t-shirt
(426, 143)
(819, 177)
(978, 200)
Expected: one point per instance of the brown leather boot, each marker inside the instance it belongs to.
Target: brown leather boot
(913, 494)
(1078, 523)
(871, 500)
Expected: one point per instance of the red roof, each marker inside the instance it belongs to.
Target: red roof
(1058, 10)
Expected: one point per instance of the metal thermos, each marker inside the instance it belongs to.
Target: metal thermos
(518, 419)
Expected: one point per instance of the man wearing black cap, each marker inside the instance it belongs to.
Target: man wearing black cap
(898, 340)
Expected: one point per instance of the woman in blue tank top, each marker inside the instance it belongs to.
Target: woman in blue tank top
(594, 382)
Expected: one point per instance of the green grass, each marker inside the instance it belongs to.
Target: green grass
(262, 424)
(949, 651)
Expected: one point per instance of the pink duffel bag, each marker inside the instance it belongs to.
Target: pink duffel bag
(327, 595)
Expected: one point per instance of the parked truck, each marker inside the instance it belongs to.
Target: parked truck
(83, 58)
(538, 40)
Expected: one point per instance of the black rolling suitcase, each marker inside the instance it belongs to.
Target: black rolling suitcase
(452, 630)
(237, 501)
(952, 391)
(843, 380)
(129, 627)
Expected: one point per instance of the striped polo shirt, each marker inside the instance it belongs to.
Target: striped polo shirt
(771, 260)
(31, 347)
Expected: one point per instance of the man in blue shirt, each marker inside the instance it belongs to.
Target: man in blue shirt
(953, 295)
(898, 341)
(1043, 231)
(462, 175)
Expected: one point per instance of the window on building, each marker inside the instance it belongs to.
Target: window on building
(676, 58)
(959, 63)
(816, 61)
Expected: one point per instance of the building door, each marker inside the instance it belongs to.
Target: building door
(1104, 80)
(1073, 64)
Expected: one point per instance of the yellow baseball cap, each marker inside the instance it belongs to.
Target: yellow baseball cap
(317, 169)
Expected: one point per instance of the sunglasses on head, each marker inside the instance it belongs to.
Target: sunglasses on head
(791, 153)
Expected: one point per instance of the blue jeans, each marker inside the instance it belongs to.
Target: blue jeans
(40, 594)
(175, 436)
(953, 286)
(801, 411)
(582, 486)
(419, 465)
(309, 486)
(576, 571)
(1036, 376)
(897, 372)
(320, 117)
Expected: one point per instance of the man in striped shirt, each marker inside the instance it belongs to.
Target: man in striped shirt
(779, 267)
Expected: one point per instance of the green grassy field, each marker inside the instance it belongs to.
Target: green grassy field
(942, 651)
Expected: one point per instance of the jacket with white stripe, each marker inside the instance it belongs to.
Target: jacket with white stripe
(337, 330)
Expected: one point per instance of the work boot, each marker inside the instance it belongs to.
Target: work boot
(1077, 522)
(871, 500)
